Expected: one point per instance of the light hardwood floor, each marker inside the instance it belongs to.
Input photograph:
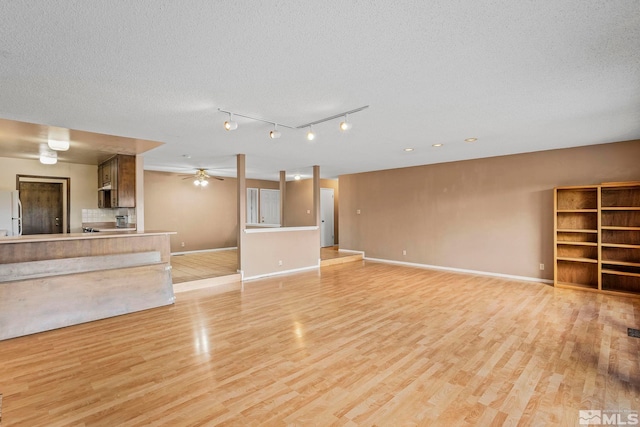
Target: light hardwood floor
(352, 344)
(204, 265)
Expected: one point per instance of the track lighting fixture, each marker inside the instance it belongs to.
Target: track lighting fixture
(230, 124)
(345, 125)
(275, 133)
(311, 134)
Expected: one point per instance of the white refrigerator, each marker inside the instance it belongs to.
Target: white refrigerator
(10, 214)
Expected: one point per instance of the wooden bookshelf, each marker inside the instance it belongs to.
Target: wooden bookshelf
(597, 238)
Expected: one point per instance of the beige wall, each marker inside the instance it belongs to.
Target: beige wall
(83, 182)
(493, 215)
(204, 218)
(262, 251)
(299, 200)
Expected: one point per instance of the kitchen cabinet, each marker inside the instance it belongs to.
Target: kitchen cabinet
(117, 182)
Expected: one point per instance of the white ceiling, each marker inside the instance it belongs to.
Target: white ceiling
(520, 76)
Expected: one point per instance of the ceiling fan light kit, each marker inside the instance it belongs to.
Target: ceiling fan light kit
(273, 134)
(201, 178)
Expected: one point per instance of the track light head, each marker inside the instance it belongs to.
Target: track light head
(345, 125)
(230, 124)
(311, 134)
(275, 133)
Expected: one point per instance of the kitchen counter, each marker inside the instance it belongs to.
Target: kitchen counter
(104, 233)
(108, 226)
(50, 281)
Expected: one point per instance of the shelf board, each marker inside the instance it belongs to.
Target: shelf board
(624, 263)
(564, 242)
(621, 208)
(613, 227)
(578, 210)
(589, 260)
(582, 286)
(620, 245)
(576, 230)
(620, 273)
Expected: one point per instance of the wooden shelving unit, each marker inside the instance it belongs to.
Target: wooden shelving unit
(597, 237)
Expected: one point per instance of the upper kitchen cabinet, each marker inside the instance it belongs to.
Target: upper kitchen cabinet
(117, 182)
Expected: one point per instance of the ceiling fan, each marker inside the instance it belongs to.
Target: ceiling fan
(201, 178)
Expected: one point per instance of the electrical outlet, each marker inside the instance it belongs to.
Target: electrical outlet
(357, 211)
(308, 211)
(404, 252)
(280, 262)
(541, 266)
(182, 244)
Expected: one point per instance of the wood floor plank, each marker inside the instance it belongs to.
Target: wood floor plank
(357, 344)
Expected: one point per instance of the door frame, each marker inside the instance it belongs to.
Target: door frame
(66, 193)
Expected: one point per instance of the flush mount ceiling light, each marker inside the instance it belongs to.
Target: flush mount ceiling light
(471, 140)
(297, 177)
(311, 134)
(437, 145)
(230, 124)
(58, 138)
(275, 133)
(48, 157)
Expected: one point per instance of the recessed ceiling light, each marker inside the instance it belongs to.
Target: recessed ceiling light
(471, 140)
(437, 145)
(408, 149)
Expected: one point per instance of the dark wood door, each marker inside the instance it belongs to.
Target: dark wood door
(41, 207)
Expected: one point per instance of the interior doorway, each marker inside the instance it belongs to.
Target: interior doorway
(269, 206)
(45, 204)
(326, 217)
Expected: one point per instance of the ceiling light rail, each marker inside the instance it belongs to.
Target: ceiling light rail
(230, 124)
(233, 113)
(335, 116)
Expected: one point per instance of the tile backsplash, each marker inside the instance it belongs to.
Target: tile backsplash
(108, 215)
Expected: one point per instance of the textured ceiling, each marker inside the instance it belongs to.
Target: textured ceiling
(520, 76)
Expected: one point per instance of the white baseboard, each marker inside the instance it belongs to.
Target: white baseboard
(204, 250)
(461, 270)
(278, 273)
